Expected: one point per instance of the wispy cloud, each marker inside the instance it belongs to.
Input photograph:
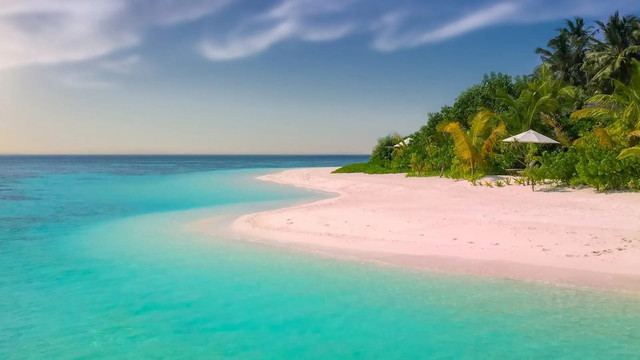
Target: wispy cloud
(106, 73)
(403, 27)
(62, 31)
(390, 35)
(292, 19)
(58, 31)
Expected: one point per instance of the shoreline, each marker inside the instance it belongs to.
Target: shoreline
(561, 236)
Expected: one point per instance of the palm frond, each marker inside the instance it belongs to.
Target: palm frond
(496, 134)
(506, 99)
(462, 142)
(480, 122)
(441, 126)
(557, 129)
(628, 152)
(634, 134)
(603, 100)
(590, 112)
(633, 137)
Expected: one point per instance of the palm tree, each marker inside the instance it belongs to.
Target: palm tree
(558, 57)
(611, 57)
(473, 146)
(623, 106)
(535, 106)
(566, 52)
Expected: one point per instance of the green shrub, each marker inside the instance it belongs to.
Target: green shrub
(418, 165)
(589, 164)
(366, 168)
(439, 155)
(352, 168)
(383, 151)
(400, 161)
(599, 167)
(559, 166)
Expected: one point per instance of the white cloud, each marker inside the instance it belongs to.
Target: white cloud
(59, 31)
(169, 12)
(46, 32)
(326, 33)
(245, 45)
(390, 37)
(292, 19)
(401, 29)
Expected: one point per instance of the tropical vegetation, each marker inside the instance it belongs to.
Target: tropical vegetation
(585, 94)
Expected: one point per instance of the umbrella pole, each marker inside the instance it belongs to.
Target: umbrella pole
(529, 160)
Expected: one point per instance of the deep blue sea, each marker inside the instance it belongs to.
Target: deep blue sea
(97, 261)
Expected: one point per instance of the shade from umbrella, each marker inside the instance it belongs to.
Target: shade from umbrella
(531, 136)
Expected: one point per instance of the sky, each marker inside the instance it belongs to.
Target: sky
(249, 76)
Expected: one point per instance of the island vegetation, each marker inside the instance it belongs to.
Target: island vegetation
(585, 94)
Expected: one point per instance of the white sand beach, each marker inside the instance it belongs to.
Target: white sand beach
(565, 236)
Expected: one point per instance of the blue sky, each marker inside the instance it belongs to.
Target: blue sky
(233, 76)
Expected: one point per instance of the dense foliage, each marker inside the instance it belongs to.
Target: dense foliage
(585, 94)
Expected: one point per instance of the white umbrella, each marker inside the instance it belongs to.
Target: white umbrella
(531, 136)
(404, 142)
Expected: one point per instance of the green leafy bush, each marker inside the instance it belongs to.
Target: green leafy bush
(559, 166)
(589, 164)
(599, 167)
(418, 165)
(383, 151)
(366, 168)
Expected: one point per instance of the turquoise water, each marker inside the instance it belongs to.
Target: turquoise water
(96, 262)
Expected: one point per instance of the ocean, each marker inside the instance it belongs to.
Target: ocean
(98, 261)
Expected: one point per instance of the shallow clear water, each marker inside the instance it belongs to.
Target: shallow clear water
(96, 262)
